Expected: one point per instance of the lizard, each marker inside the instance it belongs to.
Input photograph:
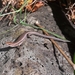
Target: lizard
(19, 41)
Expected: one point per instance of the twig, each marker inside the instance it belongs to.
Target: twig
(61, 51)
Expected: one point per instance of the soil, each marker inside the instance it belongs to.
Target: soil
(37, 55)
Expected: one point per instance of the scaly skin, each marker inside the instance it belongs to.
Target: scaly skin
(23, 37)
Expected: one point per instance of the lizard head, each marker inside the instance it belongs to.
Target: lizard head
(10, 44)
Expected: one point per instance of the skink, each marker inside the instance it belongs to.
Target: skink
(23, 37)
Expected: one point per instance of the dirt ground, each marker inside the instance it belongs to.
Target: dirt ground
(38, 56)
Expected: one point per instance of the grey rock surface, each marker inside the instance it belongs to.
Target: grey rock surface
(37, 56)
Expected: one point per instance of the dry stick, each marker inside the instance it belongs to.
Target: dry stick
(61, 51)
